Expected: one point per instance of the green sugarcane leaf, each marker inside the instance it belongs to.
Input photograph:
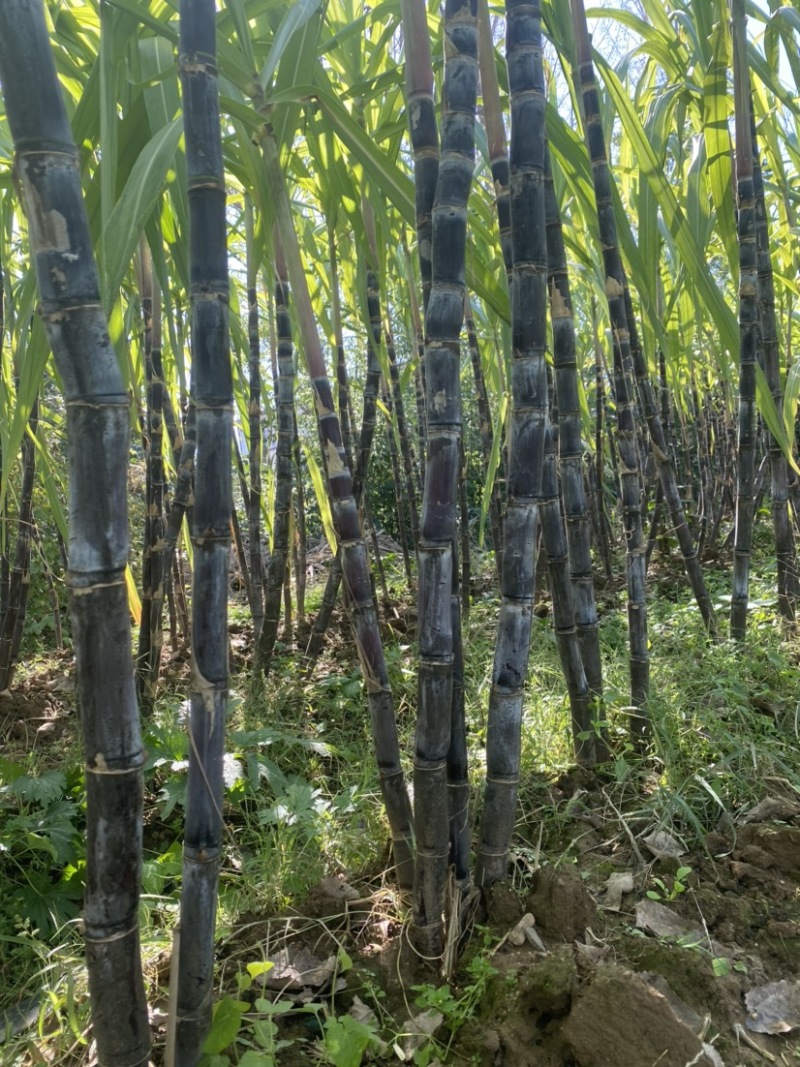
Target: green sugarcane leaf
(139, 10)
(225, 1025)
(292, 69)
(716, 112)
(791, 397)
(239, 15)
(323, 504)
(494, 463)
(110, 21)
(674, 217)
(769, 413)
(135, 206)
(398, 188)
(295, 18)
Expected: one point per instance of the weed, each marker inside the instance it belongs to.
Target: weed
(667, 892)
(253, 1031)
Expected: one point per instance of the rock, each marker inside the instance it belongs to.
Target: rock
(338, 889)
(561, 903)
(620, 1019)
(617, 885)
(517, 936)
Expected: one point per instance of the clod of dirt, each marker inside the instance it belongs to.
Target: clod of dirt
(780, 843)
(561, 903)
(622, 1020)
(773, 1008)
(503, 907)
(590, 955)
(546, 987)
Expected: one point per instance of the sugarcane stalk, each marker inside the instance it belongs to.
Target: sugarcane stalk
(212, 390)
(277, 567)
(13, 618)
(253, 497)
(48, 171)
(748, 329)
(438, 578)
(570, 451)
(355, 567)
(627, 448)
(769, 358)
(527, 436)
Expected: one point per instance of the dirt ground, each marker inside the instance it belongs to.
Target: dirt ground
(609, 976)
(602, 974)
(629, 980)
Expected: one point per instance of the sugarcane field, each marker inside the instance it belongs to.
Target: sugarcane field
(399, 515)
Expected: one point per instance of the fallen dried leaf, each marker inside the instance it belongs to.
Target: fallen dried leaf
(663, 845)
(420, 1029)
(773, 1008)
(772, 808)
(338, 889)
(298, 969)
(656, 919)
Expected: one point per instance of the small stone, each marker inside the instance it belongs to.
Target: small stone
(517, 936)
(617, 885)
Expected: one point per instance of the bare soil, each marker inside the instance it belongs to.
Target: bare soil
(615, 981)
(626, 982)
